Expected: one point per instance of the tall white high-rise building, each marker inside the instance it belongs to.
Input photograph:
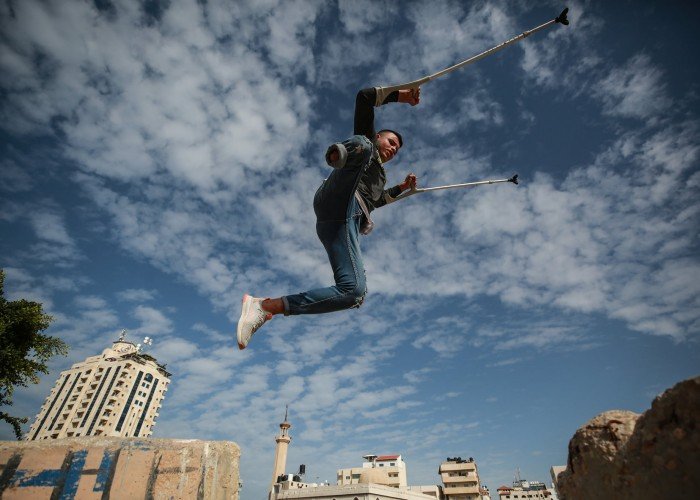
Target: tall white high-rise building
(117, 393)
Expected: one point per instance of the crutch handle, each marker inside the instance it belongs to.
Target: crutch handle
(561, 18)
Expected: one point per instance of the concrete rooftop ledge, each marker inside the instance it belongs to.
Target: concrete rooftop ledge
(119, 468)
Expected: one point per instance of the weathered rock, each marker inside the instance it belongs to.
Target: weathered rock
(621, 455)
(593, 452)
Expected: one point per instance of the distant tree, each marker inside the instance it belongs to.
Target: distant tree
(24, 350)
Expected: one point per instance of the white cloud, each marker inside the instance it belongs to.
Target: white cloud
(592, 243)
(362, 16)
(563, 56)
(444, 343)
(90, 302)
(153, 321)
(634, 90)
(137, 295)
(446, 34)
(221, 113)
(13, 177)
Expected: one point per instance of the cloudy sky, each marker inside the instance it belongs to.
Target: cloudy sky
(158, 159)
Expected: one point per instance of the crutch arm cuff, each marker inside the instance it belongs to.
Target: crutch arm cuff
(384, 92)
(385, 95)
(392, 194)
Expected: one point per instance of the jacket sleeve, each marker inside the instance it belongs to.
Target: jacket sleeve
(388, 196)
(364, 110)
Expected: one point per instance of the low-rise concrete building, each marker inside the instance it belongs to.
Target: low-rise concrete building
(460, 479)
(389, 470)
(371, 491)
(524, 489)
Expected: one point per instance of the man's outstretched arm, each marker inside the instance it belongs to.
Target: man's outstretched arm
(366, 101)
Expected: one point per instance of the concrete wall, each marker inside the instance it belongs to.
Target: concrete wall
(118, 468)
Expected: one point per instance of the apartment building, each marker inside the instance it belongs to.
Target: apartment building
(116, 393)
(460, 479)
(389, 470)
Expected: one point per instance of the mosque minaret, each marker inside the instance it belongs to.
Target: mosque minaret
(283, 440)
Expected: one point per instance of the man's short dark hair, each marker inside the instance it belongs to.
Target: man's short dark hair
(393, 132)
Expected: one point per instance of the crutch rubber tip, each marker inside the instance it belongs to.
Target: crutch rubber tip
(561, 18)
(514, 179)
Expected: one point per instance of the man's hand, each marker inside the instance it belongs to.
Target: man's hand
(411, 182)
(410, 96)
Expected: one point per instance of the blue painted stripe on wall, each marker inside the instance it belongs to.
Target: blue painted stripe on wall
(104, 471)
(70, 488)
(50, 477)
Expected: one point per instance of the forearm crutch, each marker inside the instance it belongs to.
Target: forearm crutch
(383, 92)
(413, 191)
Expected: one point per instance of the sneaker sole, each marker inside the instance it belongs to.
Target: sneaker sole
(245, 307)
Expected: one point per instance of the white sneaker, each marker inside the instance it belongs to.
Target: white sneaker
(253, 316)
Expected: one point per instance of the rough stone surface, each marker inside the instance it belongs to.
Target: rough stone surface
(622, 455)
(129, 468)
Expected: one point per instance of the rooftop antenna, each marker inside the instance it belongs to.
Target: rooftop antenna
(516, 480)
(286, 411)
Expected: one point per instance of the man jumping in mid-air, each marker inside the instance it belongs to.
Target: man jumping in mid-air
(342, 205)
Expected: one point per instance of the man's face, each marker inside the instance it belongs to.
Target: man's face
(388, 146)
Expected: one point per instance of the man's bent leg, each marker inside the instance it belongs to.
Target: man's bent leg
(333, 198)
(338, 219)
(341, 240)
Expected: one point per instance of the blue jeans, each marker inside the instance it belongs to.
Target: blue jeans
(338, 218)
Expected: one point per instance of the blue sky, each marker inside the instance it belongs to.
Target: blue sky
(158, 160)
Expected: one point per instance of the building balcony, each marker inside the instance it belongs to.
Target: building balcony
(462, 490)
(459, 479)
(455, 467)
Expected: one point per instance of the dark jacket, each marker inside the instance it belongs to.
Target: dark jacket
(372, 182)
